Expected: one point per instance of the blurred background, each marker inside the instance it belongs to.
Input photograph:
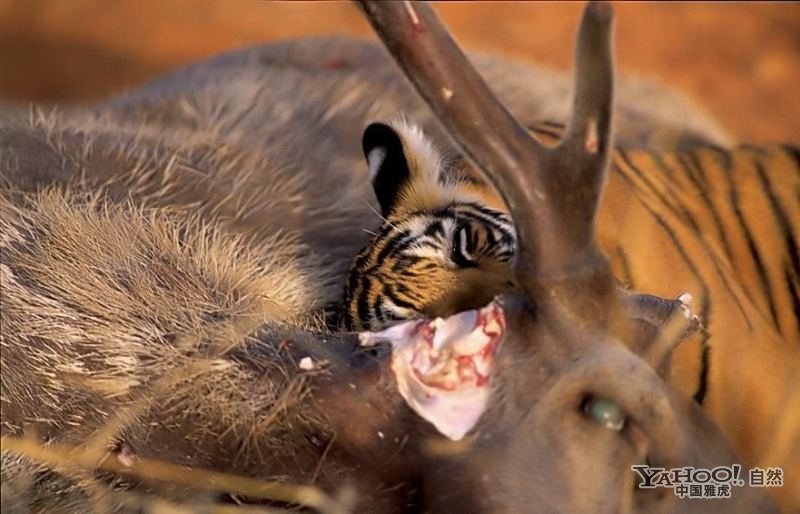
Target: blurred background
(741, 61)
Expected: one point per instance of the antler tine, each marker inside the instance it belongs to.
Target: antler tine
(569, 264)
(593, 97)
(582, 157)
(476, 121)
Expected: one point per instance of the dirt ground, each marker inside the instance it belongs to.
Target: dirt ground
(740, 60)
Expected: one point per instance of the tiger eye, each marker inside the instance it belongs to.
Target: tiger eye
(606, 413)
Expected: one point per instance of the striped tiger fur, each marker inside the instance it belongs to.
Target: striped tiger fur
(723, 224)
(437, 262)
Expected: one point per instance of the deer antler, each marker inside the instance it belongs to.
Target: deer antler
(552, 193)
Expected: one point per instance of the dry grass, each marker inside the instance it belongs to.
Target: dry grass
(87, 458)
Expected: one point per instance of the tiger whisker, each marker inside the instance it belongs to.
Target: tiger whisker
(378, 214)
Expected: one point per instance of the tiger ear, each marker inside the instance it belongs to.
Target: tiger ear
(403, 163)
(388, 165)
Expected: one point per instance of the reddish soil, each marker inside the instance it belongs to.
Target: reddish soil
(740, 60)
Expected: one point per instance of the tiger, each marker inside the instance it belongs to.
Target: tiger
(721, 223)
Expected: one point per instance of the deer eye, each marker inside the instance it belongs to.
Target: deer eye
(605, 413)
(463, 247)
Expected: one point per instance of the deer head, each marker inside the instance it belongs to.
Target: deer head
(571, 409)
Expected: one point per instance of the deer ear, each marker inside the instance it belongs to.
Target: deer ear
(443, 367)
(388, 166)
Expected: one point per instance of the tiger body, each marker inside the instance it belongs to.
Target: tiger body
(736, 210)
(721, 224)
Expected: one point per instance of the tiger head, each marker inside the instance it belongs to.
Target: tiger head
(445, 244)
